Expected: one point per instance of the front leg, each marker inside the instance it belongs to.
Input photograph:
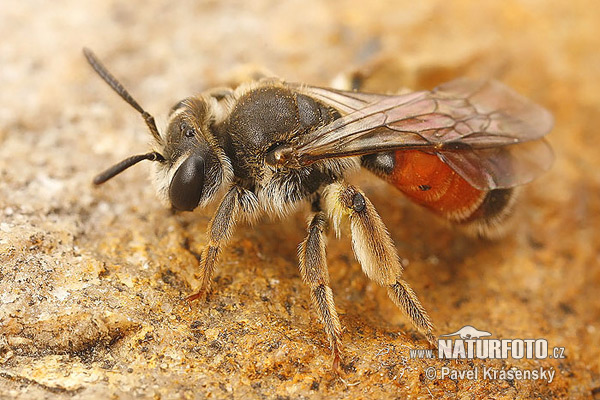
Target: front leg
(374, 249)
(220, 229)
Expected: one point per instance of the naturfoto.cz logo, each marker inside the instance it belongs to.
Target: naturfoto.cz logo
(470, 345)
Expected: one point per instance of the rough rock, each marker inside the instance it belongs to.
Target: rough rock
(93, 280)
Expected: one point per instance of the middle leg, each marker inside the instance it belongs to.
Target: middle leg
(313, 269)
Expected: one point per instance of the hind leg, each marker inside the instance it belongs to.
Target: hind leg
(375, 251)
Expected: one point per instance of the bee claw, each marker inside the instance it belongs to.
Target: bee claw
(201, 295)
(336, 365)
(432, 340)
(338, 370)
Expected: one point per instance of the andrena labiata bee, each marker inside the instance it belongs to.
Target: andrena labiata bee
(459, 150)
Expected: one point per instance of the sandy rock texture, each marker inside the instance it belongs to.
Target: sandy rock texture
(93, 280)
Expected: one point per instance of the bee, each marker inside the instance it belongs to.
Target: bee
(269, 146)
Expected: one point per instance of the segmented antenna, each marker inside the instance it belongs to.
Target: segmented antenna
(121, 91)
(123, 165)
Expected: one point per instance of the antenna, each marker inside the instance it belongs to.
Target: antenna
(123, 165)
(121, 91)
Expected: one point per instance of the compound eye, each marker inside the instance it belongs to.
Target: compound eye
(186, 187)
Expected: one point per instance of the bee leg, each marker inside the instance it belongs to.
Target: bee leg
(313, 269)
(375, 251)
(220, 229)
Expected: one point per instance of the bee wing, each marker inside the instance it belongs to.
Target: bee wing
(477, 127)
(501, 167)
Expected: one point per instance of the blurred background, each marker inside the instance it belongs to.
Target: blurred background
(92, 279)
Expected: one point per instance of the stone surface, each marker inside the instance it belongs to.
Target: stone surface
(92, 280)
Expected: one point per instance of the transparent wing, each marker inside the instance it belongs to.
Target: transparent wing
(501, 167)
(485, 131)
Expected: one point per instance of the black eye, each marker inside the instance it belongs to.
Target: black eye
(186, 187)
(187, 130)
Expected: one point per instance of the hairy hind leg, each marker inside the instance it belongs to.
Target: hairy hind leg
(375, 251)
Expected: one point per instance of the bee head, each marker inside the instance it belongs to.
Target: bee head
(189, 163)
(193, 168)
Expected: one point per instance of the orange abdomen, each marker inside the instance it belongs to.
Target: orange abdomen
(428, 181)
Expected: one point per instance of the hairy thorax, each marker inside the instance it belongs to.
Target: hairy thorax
(264, 118)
